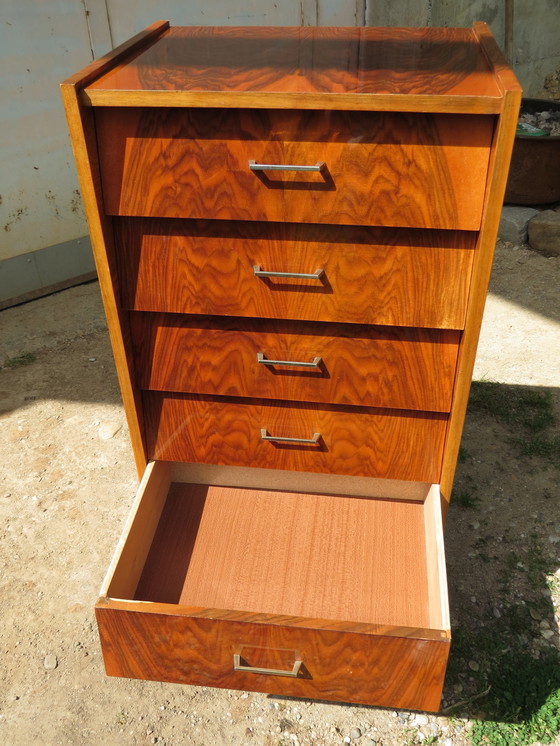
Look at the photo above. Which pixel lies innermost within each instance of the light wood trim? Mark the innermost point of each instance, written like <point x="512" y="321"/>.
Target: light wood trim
<point x="131" y="552"/>
<point x="134" y="544"/>
<point x="277" y="479"/>
<point x="259" y="100"/>
<point x="498" y="170"/>
<point x="502" y="72"/>
<point x="249" y="617"/>
<point x="82" y="135"/>
<point x="435" y="559"/>
<point x="118" y="55"/>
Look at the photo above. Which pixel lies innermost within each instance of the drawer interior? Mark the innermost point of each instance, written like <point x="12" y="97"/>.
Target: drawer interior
<point x="371" y="560"/>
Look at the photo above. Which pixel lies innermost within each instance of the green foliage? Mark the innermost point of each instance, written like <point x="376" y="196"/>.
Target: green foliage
<point x="523" y="705"/>
<point x="465" y="499"/>
<point x="16" y="362"/>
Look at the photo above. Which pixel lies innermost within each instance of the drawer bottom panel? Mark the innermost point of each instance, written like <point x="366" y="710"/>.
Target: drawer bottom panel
<point x="254" y="589"/>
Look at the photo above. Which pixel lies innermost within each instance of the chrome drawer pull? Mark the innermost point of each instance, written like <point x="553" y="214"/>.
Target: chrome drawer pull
<point x="265" y="361"/>
<point x="254" y="166"/>
<point x="258" y="272"/>
<point x="238" y="666"/>
<point x="278" y="439"/>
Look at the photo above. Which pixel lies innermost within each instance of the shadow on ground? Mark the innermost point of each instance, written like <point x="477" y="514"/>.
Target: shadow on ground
<point x="502" y="546"/>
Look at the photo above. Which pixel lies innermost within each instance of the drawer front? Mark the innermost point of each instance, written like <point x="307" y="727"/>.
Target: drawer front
<point x="380" y="168"/>
<point x="375" y="669"/>
<point x="370" y="276"/>
<point x="391" y="444"/>
<point x="331" y="363"/>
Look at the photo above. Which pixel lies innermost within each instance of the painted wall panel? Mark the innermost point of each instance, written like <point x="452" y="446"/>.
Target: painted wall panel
<point x="40" y="43"/>
<point x="127" y="18"/>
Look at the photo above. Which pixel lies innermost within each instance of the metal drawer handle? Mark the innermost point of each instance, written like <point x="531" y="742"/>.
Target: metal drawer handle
<point x="278" y="439"/>
<point x="258" y="272"/>
<point x="254" y="166"/>
<point x="265" y="361"/>
<point x="238" y="666"/>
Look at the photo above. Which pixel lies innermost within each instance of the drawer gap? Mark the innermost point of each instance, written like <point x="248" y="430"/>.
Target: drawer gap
<point x="303" y="555"/>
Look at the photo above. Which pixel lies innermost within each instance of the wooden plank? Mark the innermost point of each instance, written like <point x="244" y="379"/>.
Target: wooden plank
<point x="132" y="549"/>
<point x="305" y="101"/>
<point x="195" y="164"/>
<point x="370" y="275"/>
<point x="354" y="441"/>
<point x="499" y="66"/>
<point x="359" y="365"/>
<point x="118" y="56"/>
<point x="276" y="479"/>
<point x="332" y="625"/>
<point x="435" y="559"/>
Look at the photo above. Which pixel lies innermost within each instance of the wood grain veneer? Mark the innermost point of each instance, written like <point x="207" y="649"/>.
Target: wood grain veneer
<point x="354" y="441"/>
<point x="392" y="169"/>
<point x="182" y="645"/>
<point x="437" y="69"/>
<point x="291" y="553"/>
<point x="360" y="365"/>
<point x="371" y="275"/>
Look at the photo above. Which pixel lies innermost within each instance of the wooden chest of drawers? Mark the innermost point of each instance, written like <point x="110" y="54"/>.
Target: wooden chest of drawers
<point x="293" y="231"/>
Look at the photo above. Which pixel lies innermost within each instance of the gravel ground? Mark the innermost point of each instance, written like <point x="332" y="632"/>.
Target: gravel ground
<point x="67" y="481"/>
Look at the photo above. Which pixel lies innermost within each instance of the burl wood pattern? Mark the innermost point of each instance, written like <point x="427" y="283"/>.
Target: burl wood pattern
<point x="410" y="62"/>
<point x="392" y="444"/>
<point x="360" y="365"/>
<point x="371" y="275"/>
<point x="164" y="643"/>
<point x="276" y="552"/>
<point x="392" y="169"/>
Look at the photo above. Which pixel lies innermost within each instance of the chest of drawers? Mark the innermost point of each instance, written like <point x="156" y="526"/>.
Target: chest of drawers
<point x="293" y="231"/>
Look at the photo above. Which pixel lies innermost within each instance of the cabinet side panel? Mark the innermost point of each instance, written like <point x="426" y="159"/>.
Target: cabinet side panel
<point x="495" y="189"/>
<point x="83" y="136"/>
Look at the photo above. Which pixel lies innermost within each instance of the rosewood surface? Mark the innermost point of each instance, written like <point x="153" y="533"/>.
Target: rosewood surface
<point x="308" y="67"/>
<point x="354" y="441"/>
<point x="359" y="365"/>
<point x="351" y="667"/>
<point x="391" y="169"/>
<point x="370" y="275"/>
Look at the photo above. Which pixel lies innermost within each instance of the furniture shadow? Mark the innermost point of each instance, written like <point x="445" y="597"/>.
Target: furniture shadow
<point x="502" y="545"/>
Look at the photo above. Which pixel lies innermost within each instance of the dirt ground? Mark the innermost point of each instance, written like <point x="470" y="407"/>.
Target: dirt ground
<point x="67" y="480"/>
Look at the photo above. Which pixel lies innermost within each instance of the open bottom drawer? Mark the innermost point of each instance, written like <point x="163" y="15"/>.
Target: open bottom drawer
<point x="311" y="595"/>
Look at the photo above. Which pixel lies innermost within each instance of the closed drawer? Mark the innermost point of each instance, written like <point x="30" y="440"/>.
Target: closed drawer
<point x="369" y="276"/>
<point x="386" y="443"/>
<point x="299" y="361"/>
<point x="208" y="580"/>
<point x="380" y="168"/>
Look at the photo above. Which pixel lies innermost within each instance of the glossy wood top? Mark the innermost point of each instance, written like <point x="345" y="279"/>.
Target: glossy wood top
<point x="299" y="66"/>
